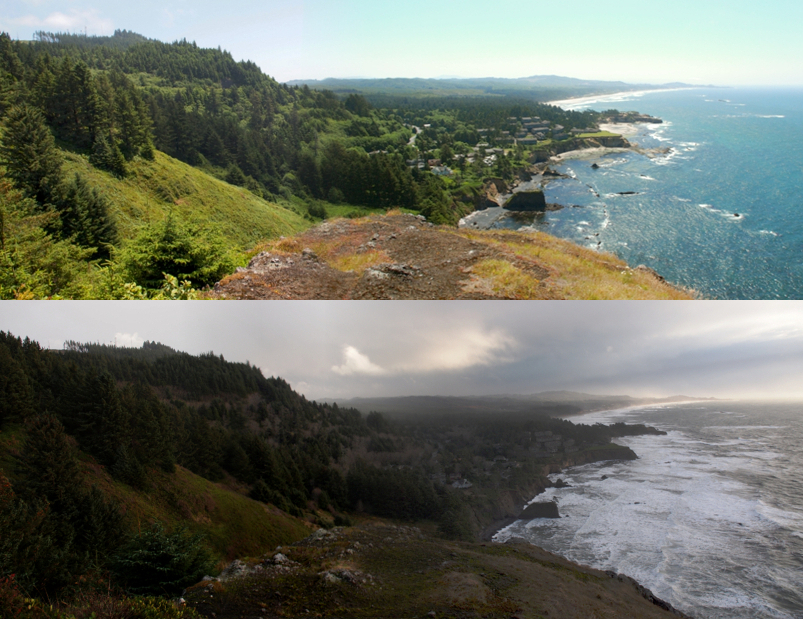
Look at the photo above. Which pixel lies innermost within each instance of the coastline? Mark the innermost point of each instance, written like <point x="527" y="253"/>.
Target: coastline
<point x="614" y="96"/>
<point x="496" y="526"/>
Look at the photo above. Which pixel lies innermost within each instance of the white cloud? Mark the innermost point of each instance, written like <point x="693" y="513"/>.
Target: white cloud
<point x="76" y="21"/>
<point x="460" y="349"/>
<point x="354" y="362"/>
<point x="128" y="340"/>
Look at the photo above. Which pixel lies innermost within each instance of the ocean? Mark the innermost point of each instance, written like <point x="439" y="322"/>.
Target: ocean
<point x="721" y="212"/>
<point x="710" y="516"/>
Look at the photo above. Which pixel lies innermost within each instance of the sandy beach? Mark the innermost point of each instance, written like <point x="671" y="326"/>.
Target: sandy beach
<point x="569" y="104"/>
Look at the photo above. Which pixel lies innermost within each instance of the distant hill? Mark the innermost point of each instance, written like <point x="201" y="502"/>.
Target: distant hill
<point x="542" y="404"/>
<point x="536" y="87"/>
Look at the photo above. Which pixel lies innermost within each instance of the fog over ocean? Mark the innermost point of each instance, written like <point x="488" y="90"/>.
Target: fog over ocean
<point x="719" y="212"/>
<point x="710" y="517"/>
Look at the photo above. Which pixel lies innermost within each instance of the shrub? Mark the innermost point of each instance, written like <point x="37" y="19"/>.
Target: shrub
<point x="182" y="251"/>
<point x="154" y="562"/>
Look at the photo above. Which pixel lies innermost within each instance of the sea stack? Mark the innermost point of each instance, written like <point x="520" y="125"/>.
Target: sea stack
<point x="526" y="201"/>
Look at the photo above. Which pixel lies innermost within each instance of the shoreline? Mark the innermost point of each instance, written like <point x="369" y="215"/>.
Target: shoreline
<point x="488" y="533"/>
<point x="571" y="103"/>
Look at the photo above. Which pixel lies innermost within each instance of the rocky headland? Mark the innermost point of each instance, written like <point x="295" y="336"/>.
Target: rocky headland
<point x="379" y="569"/>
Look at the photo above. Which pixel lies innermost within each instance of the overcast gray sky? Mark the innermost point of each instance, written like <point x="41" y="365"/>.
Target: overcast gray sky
<point x="344" y="349"/>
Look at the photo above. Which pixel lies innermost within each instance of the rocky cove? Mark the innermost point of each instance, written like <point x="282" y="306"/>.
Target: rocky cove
<point x="523" y="199"/>
<point x="511" y="504"/>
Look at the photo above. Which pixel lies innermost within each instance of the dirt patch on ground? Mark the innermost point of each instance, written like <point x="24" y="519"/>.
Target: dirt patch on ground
<point x="401" y="256"/>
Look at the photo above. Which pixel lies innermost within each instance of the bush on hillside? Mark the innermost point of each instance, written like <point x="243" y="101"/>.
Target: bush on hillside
<point x="172" y="248"/>
<point x="154" y="562"/>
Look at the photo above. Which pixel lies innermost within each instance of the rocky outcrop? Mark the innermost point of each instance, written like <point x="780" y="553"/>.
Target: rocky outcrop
<point x="546" y="509"/>
<point x="527" y="201"/>
<point x="489" y="196"/>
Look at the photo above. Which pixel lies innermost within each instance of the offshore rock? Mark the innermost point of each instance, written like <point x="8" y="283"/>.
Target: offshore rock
<point x="548" y="509"/>
<point x="527" y="201"/>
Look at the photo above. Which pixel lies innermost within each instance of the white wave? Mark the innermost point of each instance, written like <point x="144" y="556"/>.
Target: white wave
<point x="769" y="232"/>
<point x="770" y="116"/>
<point x="780" y="517"/>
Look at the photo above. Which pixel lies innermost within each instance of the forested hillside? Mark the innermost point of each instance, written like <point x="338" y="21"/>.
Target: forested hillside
<point x="105" y="451"/>
<point x="92" y="208"/>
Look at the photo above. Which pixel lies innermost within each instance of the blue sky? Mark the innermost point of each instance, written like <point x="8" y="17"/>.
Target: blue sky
<point x="724" y="42"/>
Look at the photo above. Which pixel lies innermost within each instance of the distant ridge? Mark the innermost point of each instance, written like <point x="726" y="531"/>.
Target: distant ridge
<point x="545" y="403"/>
<point x="534" y="87"/>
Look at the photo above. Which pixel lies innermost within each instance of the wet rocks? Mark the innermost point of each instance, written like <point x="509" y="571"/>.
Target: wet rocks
<point x="546" y="509"/>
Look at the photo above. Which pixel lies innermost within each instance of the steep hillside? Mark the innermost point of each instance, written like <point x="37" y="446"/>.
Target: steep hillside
<point x="153" y="189"/>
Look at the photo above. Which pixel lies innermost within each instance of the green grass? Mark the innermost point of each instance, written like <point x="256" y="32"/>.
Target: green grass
<point x="234" y="525"/>
<point x="599" y="134"/>
<point x="165" y="185"/>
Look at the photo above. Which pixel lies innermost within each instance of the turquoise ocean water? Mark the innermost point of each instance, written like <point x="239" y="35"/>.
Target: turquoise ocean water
<point x="720" y="212"/>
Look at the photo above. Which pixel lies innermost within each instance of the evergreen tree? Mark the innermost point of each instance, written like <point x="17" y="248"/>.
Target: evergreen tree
<point x="107" y="156"/>
<point x="22" y="542"/>
<point x="85" y="217"/>
<point x="47" y="471"/>
<point x="159" y="563"/>
<point x="102" y="422"/>
<point x="172" y="248"/>
<point x="28" y="152"/>
<point x="16" y="394"/>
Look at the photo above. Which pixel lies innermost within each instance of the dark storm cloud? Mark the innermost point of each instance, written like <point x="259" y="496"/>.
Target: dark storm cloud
<point x="344" y="349"/>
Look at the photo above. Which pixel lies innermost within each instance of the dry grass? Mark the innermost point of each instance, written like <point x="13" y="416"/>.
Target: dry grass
<point x="577" y="272"/>
<point x="358" y="262"/>
<point x="507" y="280"/>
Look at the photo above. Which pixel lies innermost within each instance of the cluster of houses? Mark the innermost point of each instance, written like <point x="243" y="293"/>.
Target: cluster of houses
<point x="525" y="130"/>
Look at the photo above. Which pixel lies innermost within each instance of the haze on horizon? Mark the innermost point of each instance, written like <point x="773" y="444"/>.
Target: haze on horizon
<point x="730" y="44"/>
<point x="340" y="350"/>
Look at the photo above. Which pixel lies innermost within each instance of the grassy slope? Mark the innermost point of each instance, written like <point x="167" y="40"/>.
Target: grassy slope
<point x="234" y="525"/>
<point x="575" y="272"/>
<point x="155" y="188"/>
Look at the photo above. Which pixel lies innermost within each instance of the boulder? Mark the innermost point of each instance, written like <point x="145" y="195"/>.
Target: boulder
<point x="488" y="197"/>
<point x="547" y="509"/>
<point x="527" y="201"/>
